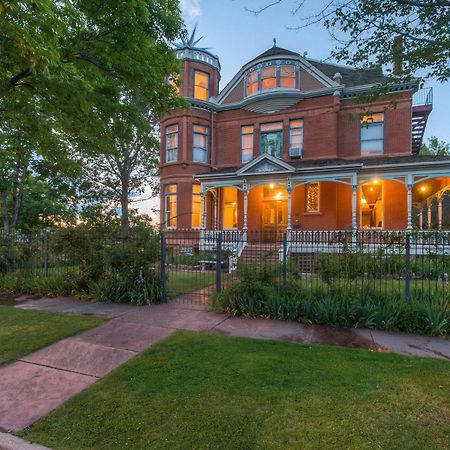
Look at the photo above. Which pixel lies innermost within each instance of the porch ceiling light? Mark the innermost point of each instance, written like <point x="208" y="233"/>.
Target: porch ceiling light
<point x="423" y="188"/>
<point x="375" y="181"/>
<point x="271" y="185"/>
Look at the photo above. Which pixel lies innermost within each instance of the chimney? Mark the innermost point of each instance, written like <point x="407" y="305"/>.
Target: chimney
<point x="397" y="55"/>
<point x="338" y="78"/>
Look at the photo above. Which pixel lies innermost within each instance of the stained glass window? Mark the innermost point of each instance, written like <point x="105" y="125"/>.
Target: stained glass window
<point x="312" y="197"/>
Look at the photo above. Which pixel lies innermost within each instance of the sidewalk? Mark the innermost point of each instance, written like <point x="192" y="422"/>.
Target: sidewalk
<point x="39" y="382"/>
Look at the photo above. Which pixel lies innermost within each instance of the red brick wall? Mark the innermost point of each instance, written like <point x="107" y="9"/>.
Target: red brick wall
<point x="236" y="94"/>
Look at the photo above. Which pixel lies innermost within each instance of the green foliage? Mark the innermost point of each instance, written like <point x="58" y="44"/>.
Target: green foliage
<point x="84" y="260"/>
<point x="351" y="266"/>
<point x="435" y="147"/>
<point x="342" y="306"/>
<point x="365" y="32"/>
<point x="80" y="80"/>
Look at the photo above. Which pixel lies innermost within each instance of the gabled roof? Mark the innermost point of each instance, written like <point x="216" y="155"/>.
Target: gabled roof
<point x="350" y="75"/>
<point x="265" y="163"/>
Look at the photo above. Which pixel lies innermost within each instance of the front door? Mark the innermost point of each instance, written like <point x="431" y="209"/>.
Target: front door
<point x="274" y="219"/>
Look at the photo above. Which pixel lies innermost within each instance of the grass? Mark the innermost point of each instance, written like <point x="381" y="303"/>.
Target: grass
<point x="181" y="282"/>
<point x="203" y="391"/>
<point x="24" y="331"/>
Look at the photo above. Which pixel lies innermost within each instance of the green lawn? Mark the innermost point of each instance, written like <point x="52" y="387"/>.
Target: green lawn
<point x="24" y="331"/>
<point x="181" y="282"/>
<point x="204" y="391"/>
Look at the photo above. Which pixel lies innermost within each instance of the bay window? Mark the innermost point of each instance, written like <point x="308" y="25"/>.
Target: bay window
<point x="170" y="206"/>
<point x="252" y="82"/>
<point x="269" y="78"/>
<point x="200" y="144"/>
<point x="201" y="85"/>
<point x="196" y="206"/>
<point x="171" y="143"/>
<point x="287" y="77"/>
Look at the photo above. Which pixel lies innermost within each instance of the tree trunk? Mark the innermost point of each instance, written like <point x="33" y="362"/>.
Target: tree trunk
<point x="5" y="216"/>
<point x="124" y="220"/>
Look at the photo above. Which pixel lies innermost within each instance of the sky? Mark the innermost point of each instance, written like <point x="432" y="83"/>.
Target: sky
<point x="236" y="36"/>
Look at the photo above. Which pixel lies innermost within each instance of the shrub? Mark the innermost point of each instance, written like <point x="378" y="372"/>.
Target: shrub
<point x="337" y="305"/>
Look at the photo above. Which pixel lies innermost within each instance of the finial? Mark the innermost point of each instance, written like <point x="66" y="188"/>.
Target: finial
<point x="274" y="42"/>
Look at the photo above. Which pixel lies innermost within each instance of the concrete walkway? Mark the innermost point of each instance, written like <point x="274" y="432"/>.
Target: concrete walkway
<point x="37" y="383"/>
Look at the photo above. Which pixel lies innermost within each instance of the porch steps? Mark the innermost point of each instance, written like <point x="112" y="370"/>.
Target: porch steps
<point x="260" y="252"/>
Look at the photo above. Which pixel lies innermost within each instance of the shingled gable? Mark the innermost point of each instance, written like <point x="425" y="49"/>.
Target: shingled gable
<point x="324" y="79"/>
<point x="265" y="163"/>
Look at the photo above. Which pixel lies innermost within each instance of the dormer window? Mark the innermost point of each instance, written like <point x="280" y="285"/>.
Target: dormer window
<point x="252" y="82"/>
<point x="201" y="84"/>
<point x="287" y="77"/>
<point x="283" y="74"/>
<point x="269" y="78"/>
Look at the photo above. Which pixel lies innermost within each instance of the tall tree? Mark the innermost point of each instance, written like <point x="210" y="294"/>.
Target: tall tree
<point x="118" y="176"/>
<point x="365" y="32"/>
<point x="65" y="66"/>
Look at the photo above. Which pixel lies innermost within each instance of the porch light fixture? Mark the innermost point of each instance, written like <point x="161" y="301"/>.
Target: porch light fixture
<point x="423" y="188"/>
<point x="271" y="185"/>
<point x="375" y="181"/>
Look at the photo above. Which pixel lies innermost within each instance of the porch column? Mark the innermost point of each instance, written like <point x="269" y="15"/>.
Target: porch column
<point x="245" y="190"/>
<point x="354" y="201"/>
<point x="439" y="211"/>
<point x="429" y="213"/>
<point x="203" y="208"/>
<point x="289" y="205"/>
<point x="216" y="209"/>
<point x="409" y="186"/>
<point x="421" y="216"/>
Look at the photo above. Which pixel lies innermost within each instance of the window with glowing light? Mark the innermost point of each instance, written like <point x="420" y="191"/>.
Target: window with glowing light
<point x="246" y="144"/>
<point x="201" y="85"/>
<point x="196" y="206"/>
<point x="296" y="138"/>
<point x="200" y="143"/>
<point x="313" y="198"/>
<point x="170" y="206"/>
<point x="171" y="143"/>
<point x="269" y="78"/>
<point x="271" y="139"/>
<point x="287" y="77"/>
<point x="230" y="207"/>
<point x="252" y="82"/>
<point x="372" y="134"/>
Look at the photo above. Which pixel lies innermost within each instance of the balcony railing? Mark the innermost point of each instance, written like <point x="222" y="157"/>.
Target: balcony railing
<point x="423" y="97"/>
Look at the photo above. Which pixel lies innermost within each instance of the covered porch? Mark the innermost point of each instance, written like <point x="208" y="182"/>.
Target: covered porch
<point x="271" y="197"/>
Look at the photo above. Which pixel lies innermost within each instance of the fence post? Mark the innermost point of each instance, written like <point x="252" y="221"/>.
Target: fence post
<point x="163" y="267"/>
<point x="219" y="263"/>
<point x="284" y="264"/>
<point x="408" y="268"/>
<point x="46" y="236"/>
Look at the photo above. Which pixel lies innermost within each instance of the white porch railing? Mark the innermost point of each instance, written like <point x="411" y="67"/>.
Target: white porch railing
<point x="233" y="241"/>
<point x="369" y="241"/>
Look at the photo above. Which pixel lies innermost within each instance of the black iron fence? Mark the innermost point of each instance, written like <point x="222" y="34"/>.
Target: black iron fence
<point x="192" y="265"/>
<point x="405" y="264"/>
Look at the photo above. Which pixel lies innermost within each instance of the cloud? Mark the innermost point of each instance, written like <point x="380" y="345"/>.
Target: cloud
<point x="191" y="9"/>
